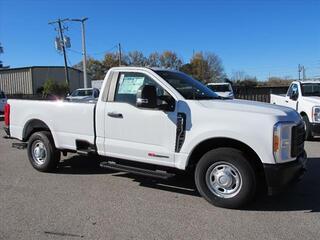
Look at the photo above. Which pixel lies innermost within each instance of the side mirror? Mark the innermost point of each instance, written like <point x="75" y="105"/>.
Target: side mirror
<point x="147" y="97"/>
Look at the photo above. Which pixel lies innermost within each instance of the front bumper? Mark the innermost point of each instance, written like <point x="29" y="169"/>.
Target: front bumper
<point x="315" y="129"/>
<point x="279" y="176"/>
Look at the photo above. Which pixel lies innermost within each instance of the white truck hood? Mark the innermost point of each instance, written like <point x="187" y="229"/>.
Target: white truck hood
<point x="251" y="107"/>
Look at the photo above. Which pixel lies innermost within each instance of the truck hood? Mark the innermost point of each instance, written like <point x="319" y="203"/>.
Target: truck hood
<point x="251" y="107"/>
<point x="314" y="100"/>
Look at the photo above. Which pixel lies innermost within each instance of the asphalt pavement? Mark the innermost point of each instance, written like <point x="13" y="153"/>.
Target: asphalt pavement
<point x="83" y="201"/>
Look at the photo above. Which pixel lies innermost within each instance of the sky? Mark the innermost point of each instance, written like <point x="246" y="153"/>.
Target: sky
<point x="262" y="38"/>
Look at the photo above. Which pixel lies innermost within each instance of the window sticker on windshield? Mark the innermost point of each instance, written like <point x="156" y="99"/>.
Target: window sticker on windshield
<point x="130" y="85"/>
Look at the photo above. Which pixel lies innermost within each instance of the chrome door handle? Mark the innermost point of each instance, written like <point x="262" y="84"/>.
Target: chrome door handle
<point x="286" y="101"/>
<point x="115" y="115"/>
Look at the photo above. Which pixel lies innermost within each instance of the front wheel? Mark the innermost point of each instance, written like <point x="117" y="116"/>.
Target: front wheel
<point x="307" y="127"/>
<point x="42" y="152"/>
<point x="225" y="178"/>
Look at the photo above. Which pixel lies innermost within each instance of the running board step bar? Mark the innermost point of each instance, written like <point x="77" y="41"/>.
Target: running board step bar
<point x="140" y="171"/>
<point x="20" y="145"/>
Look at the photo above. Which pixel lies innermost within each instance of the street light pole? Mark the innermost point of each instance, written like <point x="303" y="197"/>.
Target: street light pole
<point x="84" y="51"/>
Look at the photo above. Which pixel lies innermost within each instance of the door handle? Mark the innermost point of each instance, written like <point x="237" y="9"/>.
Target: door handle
<point x="115" y="115"/>
<point x="287" y="101"/>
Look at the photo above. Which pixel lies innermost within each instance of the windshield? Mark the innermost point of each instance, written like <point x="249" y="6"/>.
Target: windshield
<point x="82" y="93"/>
<point x="219" y="88"/>
<point x="310" y="89"/>
<point x="188" y="87"/>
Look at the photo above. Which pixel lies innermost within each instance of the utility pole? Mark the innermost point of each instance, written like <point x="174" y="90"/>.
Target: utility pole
<point x="299" y="71"/>
<point x="119" y="49"/>
<point x="60" y="30"/>
<point x="303" y="73"/>
<point x="84" y="51"/>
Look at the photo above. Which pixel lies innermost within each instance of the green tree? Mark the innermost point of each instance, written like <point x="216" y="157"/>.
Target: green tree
<point x="206" y="67"/>
<point x="112" y="60"/>
<point x="95" y="68"/>
<point x="51" y="87"/>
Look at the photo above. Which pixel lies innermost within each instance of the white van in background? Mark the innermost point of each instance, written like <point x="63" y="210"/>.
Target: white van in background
<point x="222" y="89"/>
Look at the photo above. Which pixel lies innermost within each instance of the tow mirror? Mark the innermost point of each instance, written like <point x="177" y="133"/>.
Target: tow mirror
<point x="147" y="97"/>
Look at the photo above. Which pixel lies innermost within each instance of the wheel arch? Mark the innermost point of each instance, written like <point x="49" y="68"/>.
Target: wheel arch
<point x="214" y="143"/>
<point x="32" y="126"/>
<point x="303" y="113"/>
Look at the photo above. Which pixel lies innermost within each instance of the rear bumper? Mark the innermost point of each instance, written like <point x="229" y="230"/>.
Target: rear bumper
<point x="315" y="129"/>
<point x="279" y="176"/>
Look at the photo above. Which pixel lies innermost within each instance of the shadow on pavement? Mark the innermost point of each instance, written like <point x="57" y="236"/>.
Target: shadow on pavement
<point x="82" y="165"/>
<point x="304" y="196"/>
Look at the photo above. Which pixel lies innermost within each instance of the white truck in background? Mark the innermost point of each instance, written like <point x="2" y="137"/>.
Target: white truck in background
<point x="165" y="120"/>
<point x="304" y="97"/>
<point x="222" y="89"/>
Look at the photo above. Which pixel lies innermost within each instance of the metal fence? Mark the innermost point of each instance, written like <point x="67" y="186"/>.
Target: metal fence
<point x="261" y="94"/>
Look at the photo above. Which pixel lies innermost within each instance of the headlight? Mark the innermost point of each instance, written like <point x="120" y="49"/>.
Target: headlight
<point x="316" y="114"/>
<point x="282" y="141"/>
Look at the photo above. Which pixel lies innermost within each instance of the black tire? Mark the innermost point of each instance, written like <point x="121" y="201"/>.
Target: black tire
<point x="235" y="165"/>
<point x="309" y="136"/>
<point x="41" y="144"/>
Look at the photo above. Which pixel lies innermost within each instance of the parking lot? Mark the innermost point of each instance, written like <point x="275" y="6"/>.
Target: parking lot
<point x="81" y="200"/>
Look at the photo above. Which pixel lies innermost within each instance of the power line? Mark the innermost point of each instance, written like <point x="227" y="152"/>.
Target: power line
<point x="103" y="52"/>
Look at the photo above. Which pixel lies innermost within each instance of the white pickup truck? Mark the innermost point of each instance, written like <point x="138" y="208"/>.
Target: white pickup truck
<point x="166" y="120"/>
<point x="304" y="97"/>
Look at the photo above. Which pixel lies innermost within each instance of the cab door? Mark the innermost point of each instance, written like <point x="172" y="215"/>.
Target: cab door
<point x="292" y="96"/>
<point x="139" y="134"/>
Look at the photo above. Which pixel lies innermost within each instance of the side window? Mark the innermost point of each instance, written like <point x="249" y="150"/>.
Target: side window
<point x="289" y="93"/>
<point x="295" y="89"/>
<point x="129" y="83"/>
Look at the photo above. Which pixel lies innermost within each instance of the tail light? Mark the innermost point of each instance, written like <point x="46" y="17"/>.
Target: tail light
<point x="7" y="114"/>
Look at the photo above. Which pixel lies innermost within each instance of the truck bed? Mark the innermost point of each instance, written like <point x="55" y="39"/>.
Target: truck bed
<point x="278" y="99"/>
<point x="68" y="121"/>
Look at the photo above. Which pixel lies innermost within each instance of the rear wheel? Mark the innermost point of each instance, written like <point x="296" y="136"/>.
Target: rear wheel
<point x="42" y="153"/>
<point x="307" y="127"/>
<point x="225" y="178"/>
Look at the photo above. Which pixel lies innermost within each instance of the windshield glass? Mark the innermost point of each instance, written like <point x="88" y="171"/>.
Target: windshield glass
<point x="188" y="87"/>
<point x="310" y="89"/>
<point x="81" y="93"/>
<point x="219" y="88"/>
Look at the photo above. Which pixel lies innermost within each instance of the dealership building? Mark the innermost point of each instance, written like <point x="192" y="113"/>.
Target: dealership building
<point x="29" y="80"/>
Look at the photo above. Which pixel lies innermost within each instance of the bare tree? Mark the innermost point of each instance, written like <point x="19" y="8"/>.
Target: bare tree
<point x="170" y="60"/>
<point x="136" y="58"/>
<point x="154" y="60"/>
<point x="206" y="67"/>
